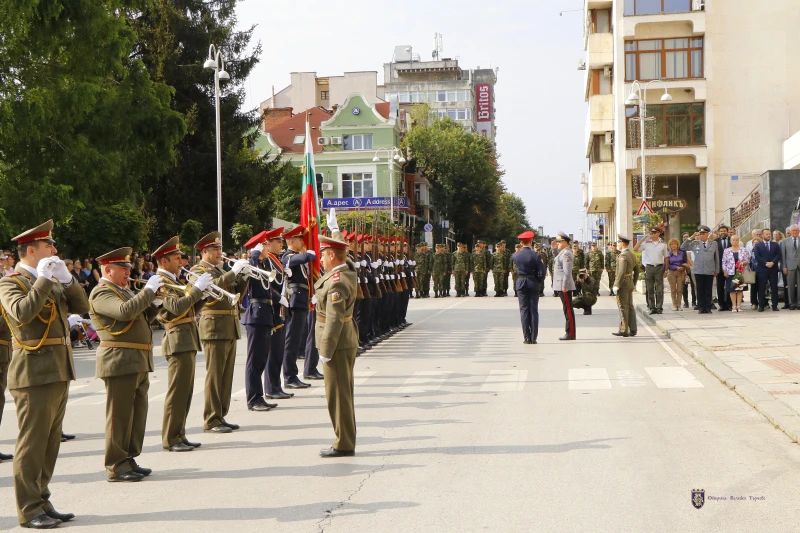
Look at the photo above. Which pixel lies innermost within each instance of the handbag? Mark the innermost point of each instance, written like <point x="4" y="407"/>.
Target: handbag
<point x="749" y="277"/>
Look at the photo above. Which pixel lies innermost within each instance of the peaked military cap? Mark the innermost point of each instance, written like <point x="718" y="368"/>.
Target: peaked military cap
<point x="120" y="257"/>
<point x="169" y="247"/>
<point x="297" y="231"/>
<point x="526" y="236"/>
<point x="563" y="237"/>
<point x="328" y="242"/>
<point x="702" y="228"/>
<point x="212" y="239"/>
<point x="623" y="238"/>
<point x="274" y="234"/>
<point x="42" y="232"/>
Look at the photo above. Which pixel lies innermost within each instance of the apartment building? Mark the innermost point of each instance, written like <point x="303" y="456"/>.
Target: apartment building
<point x="308" y="90"/>
<point x="720" y="88"/>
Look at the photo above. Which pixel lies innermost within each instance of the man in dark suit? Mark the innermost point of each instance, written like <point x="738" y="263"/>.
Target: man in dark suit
<point x="530" y="276"/>
<point x="768" y="257"/>
<point x="723" y="298"/>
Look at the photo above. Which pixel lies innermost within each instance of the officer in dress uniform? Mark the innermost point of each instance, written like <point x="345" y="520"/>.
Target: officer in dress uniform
<point x="259" y="321"/>
<point x="36" y="300"/>
<point x="337" y="339"/>
<point x="296" y="266"/>
<point x="219" y="331"/>
<point x="626" y="263"/>
<point x="530" y="276"/>
<point x="180" y="344"/>
<point x="124" y="360"/>
<point x="564" y="284"/>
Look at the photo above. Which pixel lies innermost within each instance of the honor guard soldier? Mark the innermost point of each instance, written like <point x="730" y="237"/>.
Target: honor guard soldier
<point x="611" y="266"/>
<point x="531" y="272"/>
<point x="180" y="344"/>
<point x="624" y="284"/>
<point x="585" y="294"/>
<point x="337" y="340"/>
<point x="564" y="284"/>
<point x="259" y="321"/>
<point x="219" y="331"/>
<point x="36" y="300"/>
<point x="296" y="265"/>
<point x="5" y="359"/>
<point x="124" y="359"/>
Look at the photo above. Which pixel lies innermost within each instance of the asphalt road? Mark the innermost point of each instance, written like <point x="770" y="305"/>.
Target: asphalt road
<point x="461" y="427"/>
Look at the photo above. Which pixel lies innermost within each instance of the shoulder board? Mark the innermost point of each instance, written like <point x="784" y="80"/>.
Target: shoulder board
<point x="335" y="276"/>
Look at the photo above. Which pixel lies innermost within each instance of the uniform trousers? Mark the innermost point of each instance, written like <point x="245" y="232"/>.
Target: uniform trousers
<point x="258" y="344"/>
<point x="438" y="283"/>
<point x="126" y="418"/>
<point x="596" y="276"/>
<point x="277" y="345"/>
<point x="654" y="282"/>
<point x="705" y="284"/>
<point x="569" y="312"/>
<point x="528" y="296"/>
<point x="3" y="385"/>
<point x="40" y="412"/>
<point x="220" y="361"/>
<point x="627" y="313"/>
<point x="296" y="327"/>
<point x="180" y="388"/>
<point x="426" y="283"/>
<point x="312" y="354"/>
<point x="612" y="277"/>
<point x="339" y="393"/>
<point x="497" y="278"/>
<point x="364" y="320"/>
<point x="406" y="298"/>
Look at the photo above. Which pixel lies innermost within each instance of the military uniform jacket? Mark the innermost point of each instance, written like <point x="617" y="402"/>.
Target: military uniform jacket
<point x="120" y="316"/>
<point x="626" y="262"/>
<point x="259" y="310"/>
<point x="498" y="262"/>
<point x="219" y="320"/>
<point x="425" y="262"/>
<point x="177" y="316"/>
<point x="706" y="258"/>
<point x="336" y="296"/>
<point x="440" y="263"/>
<point x="462" y="262"/>
<point x="587" y="288"/>
<point x="529" y="265"/>
<point x="479" y="262"/>
<point x="298" y="280"/>
<point x="29" y="302"/>
<point x="562" y="271"/>
<point x="595" y="261"/>
<point x="611" y="260"/>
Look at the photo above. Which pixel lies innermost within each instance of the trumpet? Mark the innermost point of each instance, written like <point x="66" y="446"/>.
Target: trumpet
<point x="213" y="291"/>
<point x="140" y="284"/>
<point x="264" y="276"/>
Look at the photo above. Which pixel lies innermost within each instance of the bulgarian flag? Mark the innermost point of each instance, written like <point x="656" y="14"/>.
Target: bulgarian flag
<point x="309" y="215"/>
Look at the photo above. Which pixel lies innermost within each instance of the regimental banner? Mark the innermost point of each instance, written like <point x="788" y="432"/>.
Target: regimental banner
<point x="376" y="202"/>
<point x="483" y="108"/>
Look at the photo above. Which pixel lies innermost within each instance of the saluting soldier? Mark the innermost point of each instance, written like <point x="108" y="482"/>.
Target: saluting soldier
<point x="624" y="284"/>
<point x="219" y="331"/>
<point x="611" y="266"/>
<point x="337" y="340"/>
<point x="36" y="301"/>
<point x="5" y="359"/>
<point x="180" y="344"/>
<point x="124" y="359"/>
<point x="564" y="284"/>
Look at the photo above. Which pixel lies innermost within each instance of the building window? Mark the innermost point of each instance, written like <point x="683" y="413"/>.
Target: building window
<point x="324" y="95"/>
<point x="417" y="193"/>
<point x="672" y="125"/>
<point x="299" y="139"/>
<point x="357" y="142"/>
<point x="602" y="152"/>
<point x="358" y="185"/>
<point x="453" y="114"/>
<point x="655" y="7"/>
<point x="441" y="96"/>
<point x="664" y="59"/>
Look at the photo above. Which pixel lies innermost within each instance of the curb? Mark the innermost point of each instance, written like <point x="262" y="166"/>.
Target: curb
<point x="777" y="413"/>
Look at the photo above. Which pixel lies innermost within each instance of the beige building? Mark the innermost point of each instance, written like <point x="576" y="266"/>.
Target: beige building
<point x="731" y="73"/>
<point x="307" y="90"/>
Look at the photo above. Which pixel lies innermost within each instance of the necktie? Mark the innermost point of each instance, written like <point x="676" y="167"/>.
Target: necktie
<point x="795" y="243"/>
<point x="768" y="246"/>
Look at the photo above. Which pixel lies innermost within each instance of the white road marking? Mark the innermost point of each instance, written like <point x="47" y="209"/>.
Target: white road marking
<point x="91" y="399"/>
<point x="239" y="393"/>
<point x="360" y="377"/>
<point x="588" y="379"/>
<point x="78" y="387"/>
<point x="672" y="377"/>
<point x="505" y="381"/>
<point x="424" y="381"/>
<point x="631" y="378"/>
<point x="664" y="345"/>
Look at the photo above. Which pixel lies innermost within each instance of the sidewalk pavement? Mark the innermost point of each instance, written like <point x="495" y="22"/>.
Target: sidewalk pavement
<point x="755" y="354"/>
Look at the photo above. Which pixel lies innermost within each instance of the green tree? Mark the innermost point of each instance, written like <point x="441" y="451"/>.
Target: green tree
<point x="100" y="229"/>
<point x="511" y="219"/>
<point x="81" y="121"/>
<point x="174" y="38"/>
<point x="287" y="193"/>
<point x="190" y="233"/>
<point x="241" y="233"/>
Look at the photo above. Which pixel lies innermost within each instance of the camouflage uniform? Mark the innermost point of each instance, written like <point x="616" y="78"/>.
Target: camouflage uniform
<point x="587" y="293"/>
<point x="545" y="260"/>
<point x="440" y="264"/>
<point x="462" y="266"/>
<point x="479" y="270"/>
<point x="446" y="280"/>
<point x="580" y="260"/>
<point x="424" y="267"/>
<point x="551" y="258"/>
<point x="498" y="266"/>
<point x="595" y="267"/>
<point x="611" y="266"/>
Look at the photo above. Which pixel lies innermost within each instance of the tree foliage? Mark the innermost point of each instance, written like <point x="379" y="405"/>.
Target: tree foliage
<point x="101" y="228"/>
<point x="511" y="219"/>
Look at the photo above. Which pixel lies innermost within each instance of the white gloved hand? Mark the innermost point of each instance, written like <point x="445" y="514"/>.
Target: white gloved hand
<point x="363" y="263"/>
<point x="154" y="283"/>
<point x="366" y="281"/>
<point x="402" y="274"/>
<point x="380" y="262"/>
<point x="158" y="302"/>
<point x="284" y="302"/>
<point x="332" y="224"/>
<point x="374" y="265"/>
<point x="61" y="272"/>
<point x="380" y="275"/>
<point x="239" y="265"/>
<point x="45" y="267"/>
<point x="288" y="271"/>
<point x="314" y="299"/>
<point x="203" y="281"/>
<point x="413" y="263"/>
<point x="259" y="247"/>
<point x="312" y="253"/>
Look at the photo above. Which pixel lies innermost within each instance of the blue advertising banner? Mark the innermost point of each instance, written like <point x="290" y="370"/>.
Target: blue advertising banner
<point x="377" y="202"/>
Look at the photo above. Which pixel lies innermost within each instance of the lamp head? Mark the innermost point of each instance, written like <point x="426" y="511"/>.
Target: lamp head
<point x="210" y="63"/>
<point x="223" y="75"/>
<point x="666" y="97"/>
<point x="633" y="99"/>
<point x="402" y="160"/>
<point x="375" y="159"/>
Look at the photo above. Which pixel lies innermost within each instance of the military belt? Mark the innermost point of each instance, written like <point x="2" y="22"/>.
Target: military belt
<point x="206" y="312"/>
<point x="171" y="325"/>
<point x="55" y="341"/>
<point x="128" y="345"/>
<point x="5" y="343"/>
<point x="321" y="318"/>
<point x="261" y="300"/>
<point x="301" y="285"/>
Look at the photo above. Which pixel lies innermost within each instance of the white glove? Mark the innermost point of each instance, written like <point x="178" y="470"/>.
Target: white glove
<point x="366" y="281"/>
<point x="380" y="275"/>
<point x="45" y="267"/>
<point x="332" y="224"/>
<point x="61" y="272"/>
<point x="239" y="265"/>
<point x="203" y="281"/>
<point x="154" y="283"/>
<point x="364" y="263"/>
<point x="374" y="265"/>
<point x="402" y="274"/>
<point x="312" y="253"/>
<point x="288" y="271"/>
<point x="259" y="247"/>
<point x="413" y="263"/>
<point x="314" y="299"/>
<point x="284" y="302"/>
<point x="158" y="302"/>
<point x="380" y="262"/>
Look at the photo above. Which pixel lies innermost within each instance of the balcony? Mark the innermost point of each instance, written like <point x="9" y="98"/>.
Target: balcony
<point x="600" y="118"/>
<point x="598" y="4"/>
<point x="600" y="50"/>
<point x="676" y="88"/>
<point x="662" y="11"/>
<point x="602" y="188"/>
<point x="669" y="159"/>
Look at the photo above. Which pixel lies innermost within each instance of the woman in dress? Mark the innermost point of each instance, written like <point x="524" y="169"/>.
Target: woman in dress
<point x="734" y="259"/>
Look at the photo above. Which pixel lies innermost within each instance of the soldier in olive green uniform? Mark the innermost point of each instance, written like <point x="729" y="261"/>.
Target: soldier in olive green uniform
<point x="446" y="282"/>
<point x="624" y="284"/>
<point x="337" y="341"/>
<point x="595" y="266"/>
<point x="479" y="270"/>
<point x="180" y="344"/>
<point x="219" y="331"/>
<point x="424" y="269"/>
<point x="539" y="249"/>
<point x="36" y="300"/>
<point x="585" y="291"/>
<point x="124" y="359"/>
<point x="488" y="255"/>
<point x="611" y="266"/>
<point x="498" y="266"/>
<point x="580" y="260"/>
<point x="462" y="265"/>
<point x="440" y="264"/>
<point x="506" y="266"/>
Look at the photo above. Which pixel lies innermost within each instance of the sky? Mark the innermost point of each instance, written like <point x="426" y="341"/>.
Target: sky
<point x="539" y="96"/>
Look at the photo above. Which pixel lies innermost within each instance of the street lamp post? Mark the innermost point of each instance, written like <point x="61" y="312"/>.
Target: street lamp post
<point x="633" y="99"/>
<point x="395" y="154"/>
<point x="217" y="64"/>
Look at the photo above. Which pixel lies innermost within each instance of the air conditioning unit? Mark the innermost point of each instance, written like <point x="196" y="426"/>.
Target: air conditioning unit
<point x="607" y="72"/>
<point x="327" y="187"/>
<point x="609" y="138"/>
<point x="335" y="140"/>
<point x="699" y="5"/>
<point x="322" y="141"/>
<point x="581" y="64"/>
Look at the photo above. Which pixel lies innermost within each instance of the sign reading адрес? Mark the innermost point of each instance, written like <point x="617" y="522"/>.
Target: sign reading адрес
<point x="375" y="202"/>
